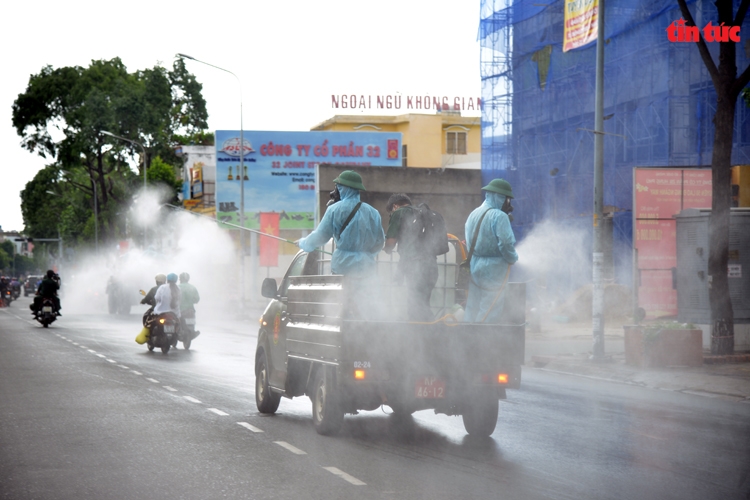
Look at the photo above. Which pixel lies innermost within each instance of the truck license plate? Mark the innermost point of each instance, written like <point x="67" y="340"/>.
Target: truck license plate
<point x="168" y="328"/>
<point x="429" y="388"/>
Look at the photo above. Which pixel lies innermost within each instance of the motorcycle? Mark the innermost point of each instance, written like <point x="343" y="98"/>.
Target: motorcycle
<point x="164" y="329"/>
<point x="187" y="328"/>
<point x="46" y="314"/>
<point x="7" y="297"/>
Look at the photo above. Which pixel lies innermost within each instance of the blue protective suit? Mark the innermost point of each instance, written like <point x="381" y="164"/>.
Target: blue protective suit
<point x="362" y="240"/>
<point x="494" y="253"/>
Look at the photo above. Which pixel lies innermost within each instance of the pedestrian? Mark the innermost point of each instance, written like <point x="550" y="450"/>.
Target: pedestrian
<point x="491" y="244"/>
<point x="357" y="230"/>
<point x="416" y="266"/>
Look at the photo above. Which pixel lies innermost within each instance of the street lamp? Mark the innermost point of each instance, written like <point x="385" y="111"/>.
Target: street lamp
<point x="242" y="174"/>
<point x="145" y="164"/>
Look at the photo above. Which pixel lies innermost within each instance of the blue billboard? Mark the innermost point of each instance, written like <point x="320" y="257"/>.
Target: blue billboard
<point x="279" y="170"/>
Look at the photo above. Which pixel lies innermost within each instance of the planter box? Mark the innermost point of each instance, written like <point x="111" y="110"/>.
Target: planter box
<point x="667" y="347"/>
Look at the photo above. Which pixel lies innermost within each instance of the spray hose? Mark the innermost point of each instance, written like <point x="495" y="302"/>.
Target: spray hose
<point x="240" y="227"/>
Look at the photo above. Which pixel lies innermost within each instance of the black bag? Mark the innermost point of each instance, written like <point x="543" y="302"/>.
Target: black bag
<point x="434" y="237"/>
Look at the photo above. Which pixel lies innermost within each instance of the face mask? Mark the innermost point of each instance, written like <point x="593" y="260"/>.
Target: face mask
<point x="508" y="208"/>
<point x="334" y="195"/>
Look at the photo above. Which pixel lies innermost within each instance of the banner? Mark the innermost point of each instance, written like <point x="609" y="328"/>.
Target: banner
<point x="658" y="194"/>
<point x="269" y="247"/>
<point x="581" y="23"/>
<point x="279" y="170"/>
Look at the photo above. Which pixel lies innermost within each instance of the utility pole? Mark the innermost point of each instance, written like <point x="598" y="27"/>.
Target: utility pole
<point x="597" y="303"/>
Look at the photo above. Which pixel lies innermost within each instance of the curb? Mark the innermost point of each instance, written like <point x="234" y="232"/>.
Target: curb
<point x="727" y="358"/>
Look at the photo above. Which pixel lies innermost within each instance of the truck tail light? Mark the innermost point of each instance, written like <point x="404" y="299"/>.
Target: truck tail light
<point x="359" y="374"/>
<point x="502" y="378"/>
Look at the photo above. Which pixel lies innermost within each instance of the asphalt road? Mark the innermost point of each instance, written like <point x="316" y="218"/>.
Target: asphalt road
<point x="86" y="413"/>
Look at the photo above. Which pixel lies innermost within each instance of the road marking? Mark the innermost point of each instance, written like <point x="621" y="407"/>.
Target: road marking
<point x="92" y="351"/>
<point x="76" y="343"/>
<point x="218" y="412"/>
<point x="136" y="373"/>
<point x="101" y="355"/>
<point x="346" y="477"/>
<point x="249" y="427"/>
<point x="152" y="380"/>
<point x="82" y="346"/>
<point x="111" y="360"/>
<point x="170" y="388"/>
<point x="291" y="448"/>
<point x="123" y="367"/>
<point x="191" y="399"/>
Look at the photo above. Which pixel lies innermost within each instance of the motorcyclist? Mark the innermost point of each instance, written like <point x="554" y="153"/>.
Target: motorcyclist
<point x="188" y="296"/>
<point x="47" y="290"/>
<point x="168" y="297"/>
<point x="150" y="296"/>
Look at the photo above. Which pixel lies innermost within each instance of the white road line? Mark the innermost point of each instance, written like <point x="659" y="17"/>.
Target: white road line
<point x="83" y="347"/>
<point x="92" y="351"/>
<point x="111" y="360"/>
<point x="76" y="343"/>
<point x="346" y="477"/>
<point x="136" y="373"/>
<point x="249" y="427"/>
<point x="153" y="380"/>
<point x="291" y="448"/>
<point x="123" y="367"/>
<point x="170" y="388"/>
<point x="218" y="412"/>
<point x="101" y="355"/>
<point x="191" y="399"/>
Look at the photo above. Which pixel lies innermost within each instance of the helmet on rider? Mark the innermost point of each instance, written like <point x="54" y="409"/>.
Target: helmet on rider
<point x="184" y="277"/>
<point x="171" y="278"/>
<point x="160" y="279"/>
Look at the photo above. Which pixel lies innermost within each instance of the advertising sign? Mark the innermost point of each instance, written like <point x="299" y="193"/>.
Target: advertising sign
<point x="581" y="23"/>
<point x="279" y="170"/>
<point x="660" y="193"/>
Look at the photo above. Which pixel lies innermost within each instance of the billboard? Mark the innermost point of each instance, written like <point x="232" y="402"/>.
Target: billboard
<point x="279" y="170"/>
<point x="658" y="194"/>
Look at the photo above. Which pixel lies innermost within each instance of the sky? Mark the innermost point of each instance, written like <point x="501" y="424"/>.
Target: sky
<point x="290" y="56"/>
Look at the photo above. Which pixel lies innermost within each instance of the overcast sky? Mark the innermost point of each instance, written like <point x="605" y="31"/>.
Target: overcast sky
<point x="291" y="56"/>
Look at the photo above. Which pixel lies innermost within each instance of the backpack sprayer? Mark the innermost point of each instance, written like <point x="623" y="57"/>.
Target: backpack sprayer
<point x="238" y="227"/>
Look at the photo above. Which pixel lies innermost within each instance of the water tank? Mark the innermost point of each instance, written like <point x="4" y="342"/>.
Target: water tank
<point x="691" y="274"/>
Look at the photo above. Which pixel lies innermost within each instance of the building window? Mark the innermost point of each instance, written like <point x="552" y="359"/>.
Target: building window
<point x="456" y="143"/>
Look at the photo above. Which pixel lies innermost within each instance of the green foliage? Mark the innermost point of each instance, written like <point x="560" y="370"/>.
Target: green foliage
<point x="153" y="107"/>
<point x="200" y="138"/>
<point x="4" y="261"/>
<point x="160" y="172"/>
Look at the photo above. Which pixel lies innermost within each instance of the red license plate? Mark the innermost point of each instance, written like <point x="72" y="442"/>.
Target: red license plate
<point x="429" y="388"/>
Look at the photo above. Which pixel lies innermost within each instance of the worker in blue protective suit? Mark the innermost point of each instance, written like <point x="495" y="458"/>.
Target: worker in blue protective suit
<point x="358" y="233"/>
<point x="493" y="254"/>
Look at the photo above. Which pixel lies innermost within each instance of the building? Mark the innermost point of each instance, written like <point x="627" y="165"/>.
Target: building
<point x="198" y="178"/>
<point x="441" y="140"/>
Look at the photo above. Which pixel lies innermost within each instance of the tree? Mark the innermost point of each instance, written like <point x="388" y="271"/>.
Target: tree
<point x="151" y="107"/>
<point x="728" y="87"/>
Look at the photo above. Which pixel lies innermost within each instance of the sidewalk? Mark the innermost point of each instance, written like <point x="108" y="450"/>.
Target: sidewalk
<point x="566" y="347"/>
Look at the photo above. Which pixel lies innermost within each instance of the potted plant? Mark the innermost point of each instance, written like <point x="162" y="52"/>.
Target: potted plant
<point x="664" y="343"/>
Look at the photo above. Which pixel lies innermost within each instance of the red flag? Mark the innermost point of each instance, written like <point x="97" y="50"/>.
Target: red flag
<point x="269" y="247"/>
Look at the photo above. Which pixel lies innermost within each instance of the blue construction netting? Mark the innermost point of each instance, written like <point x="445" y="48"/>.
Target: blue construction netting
<point x="538" y="110"/>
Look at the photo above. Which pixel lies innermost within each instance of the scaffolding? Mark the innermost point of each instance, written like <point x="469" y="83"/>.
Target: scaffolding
<point x="538" y="112"/>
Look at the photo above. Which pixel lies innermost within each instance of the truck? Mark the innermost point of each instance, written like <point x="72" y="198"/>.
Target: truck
<point x="310" y="344"/>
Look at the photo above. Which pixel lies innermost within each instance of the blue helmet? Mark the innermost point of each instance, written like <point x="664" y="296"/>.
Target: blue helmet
<point x="171" y="278"/>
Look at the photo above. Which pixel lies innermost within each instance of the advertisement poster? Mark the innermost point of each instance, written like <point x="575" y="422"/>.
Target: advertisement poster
<point x="660" y="193"/>
<point x="581" y="23"/>
<point x="279" y="170"/>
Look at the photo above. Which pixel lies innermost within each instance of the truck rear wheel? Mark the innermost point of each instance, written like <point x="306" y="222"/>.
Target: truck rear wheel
<point x="327" y="413"/>
<point x="480" y="414"/>
<point x="266" y="400"/>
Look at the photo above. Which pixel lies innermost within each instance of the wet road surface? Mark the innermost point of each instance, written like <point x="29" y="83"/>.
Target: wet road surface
<point x="85" y="412"/>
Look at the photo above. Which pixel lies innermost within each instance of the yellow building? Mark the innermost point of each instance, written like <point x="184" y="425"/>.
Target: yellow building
<point x="443" y="140"/>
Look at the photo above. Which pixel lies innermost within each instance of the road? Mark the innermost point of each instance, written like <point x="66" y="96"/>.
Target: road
<point x="86" y="413"/>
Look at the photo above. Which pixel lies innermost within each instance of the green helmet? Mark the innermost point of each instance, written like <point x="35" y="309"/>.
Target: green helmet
<point x="500" y="186"/>
<point x="350" y="179"/>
